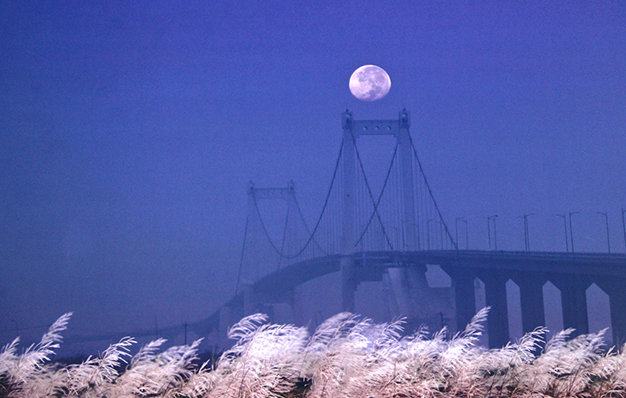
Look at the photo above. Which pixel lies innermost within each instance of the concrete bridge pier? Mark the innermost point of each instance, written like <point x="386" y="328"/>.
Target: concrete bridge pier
<point x="401" y="287"/>
<point x="464" y="296"/>
<point x="574" y="302"/>
<point x="498" y="320"/>
<point x="531" y="300"/>
<point x="265" y="300"/>
<point x="617" y="299"/>
<point x="417" y="286"/>
<point x="616" y="290"/>
<point x="279" y="296"/>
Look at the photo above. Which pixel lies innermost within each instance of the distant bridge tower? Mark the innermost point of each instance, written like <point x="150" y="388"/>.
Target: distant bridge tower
<point x="352" y="131"/>
<point x="285" y="194"/>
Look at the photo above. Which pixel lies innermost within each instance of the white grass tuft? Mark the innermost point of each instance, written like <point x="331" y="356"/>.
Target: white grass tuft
<point x="347" y="356"/>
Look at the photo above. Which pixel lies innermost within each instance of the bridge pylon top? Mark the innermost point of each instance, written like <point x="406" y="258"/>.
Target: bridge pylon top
<point x="393" y="127"/>
<point x="285" y="193"/>
<point x="404" y="119"/>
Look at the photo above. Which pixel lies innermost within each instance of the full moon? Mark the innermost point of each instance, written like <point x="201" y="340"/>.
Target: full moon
<point x="369" y="83"/>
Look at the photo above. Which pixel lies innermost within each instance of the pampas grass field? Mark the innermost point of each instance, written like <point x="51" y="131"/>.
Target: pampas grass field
<point x="347" y="356"/>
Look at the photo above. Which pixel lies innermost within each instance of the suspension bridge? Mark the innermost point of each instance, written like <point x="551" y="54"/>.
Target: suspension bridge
<point x="377" y="240"/>
<point x="389" y="234"/>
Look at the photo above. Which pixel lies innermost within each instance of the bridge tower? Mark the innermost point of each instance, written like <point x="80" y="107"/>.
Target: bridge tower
<point x="255" y="195"/>
<point x="352" y="131"/>
<point x="285" y="194"/>
<point x="404" y="284"/>
<point x="250" y="300"/>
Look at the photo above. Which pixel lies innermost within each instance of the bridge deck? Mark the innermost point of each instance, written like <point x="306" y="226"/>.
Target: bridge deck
<point x="598" y="265"/>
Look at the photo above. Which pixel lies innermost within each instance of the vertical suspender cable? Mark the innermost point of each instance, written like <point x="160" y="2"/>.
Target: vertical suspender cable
<point x="432" y="196"/>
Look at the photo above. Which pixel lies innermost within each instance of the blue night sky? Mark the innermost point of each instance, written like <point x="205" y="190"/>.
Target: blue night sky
<point x="128" y="133"/>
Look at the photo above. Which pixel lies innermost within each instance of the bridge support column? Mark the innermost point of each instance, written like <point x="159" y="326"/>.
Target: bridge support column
<point x="349" y="283"/>
<point x="464" y="297"/>
<point x="618" y="315"/>
<point x="498" y="320"/>
<point x="531" y="297"/>
<point x="399" y="280"/>
<point x="574" y="304"/>
<point x="278" y="304"/>
<point x="418" y="294"/>
<point x="615" y="288"/>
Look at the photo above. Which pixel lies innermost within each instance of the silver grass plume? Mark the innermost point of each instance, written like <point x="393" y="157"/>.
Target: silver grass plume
<point x="347" y="356"/>
<point x="18" y="370"/>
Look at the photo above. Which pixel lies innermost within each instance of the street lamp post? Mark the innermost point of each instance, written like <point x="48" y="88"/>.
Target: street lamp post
<point x="495" y="232"/>
<point x="456" y="230"/>
<point x="624" y="225"/>
<point x="606" y="223"/>
<point x="467" y="234"/>
<point x="564" y="217"/>
<point x="526" y="234"/>
<point x="571" y="231"/>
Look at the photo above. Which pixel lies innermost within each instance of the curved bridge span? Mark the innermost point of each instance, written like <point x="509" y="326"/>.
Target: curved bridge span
<point x="571" y="273"/>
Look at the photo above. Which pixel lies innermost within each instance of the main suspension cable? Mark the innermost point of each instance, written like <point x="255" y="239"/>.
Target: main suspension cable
<point x="306" y="226"/>
<point x="317" y="223"/>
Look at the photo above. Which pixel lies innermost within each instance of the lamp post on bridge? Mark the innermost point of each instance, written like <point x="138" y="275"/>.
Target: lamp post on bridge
<point x="495" y="232"/>
<point x="564" y="217"/>
<point x="456" y="230"/>
<point x="606" y="223"/>
<point x="624" y="225"/>
<point x="526" y="234"/>
<point x="571" y="231"/>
